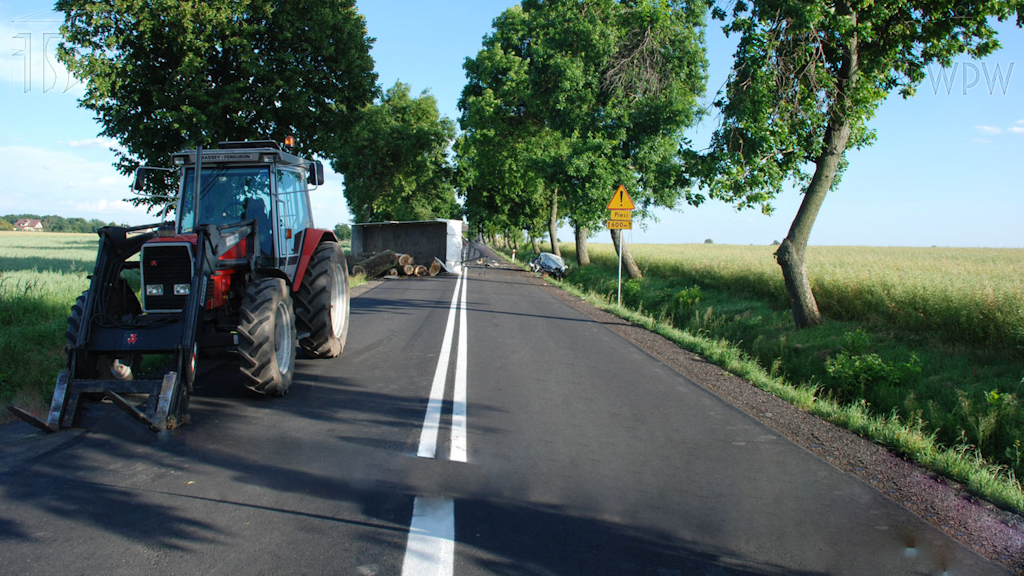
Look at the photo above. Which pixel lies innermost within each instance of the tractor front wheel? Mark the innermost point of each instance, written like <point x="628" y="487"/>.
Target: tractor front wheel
<point x="120" y="302"/>
<point x="266" y="336"/>
<point x="323" y="302"/>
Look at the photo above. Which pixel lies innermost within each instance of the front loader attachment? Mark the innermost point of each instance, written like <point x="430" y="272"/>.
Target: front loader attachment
<point x="161" y="411"/>
<point x="107" y="325"/>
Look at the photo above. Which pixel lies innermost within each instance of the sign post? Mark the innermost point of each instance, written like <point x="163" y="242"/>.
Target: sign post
<point x="621" y="218"/>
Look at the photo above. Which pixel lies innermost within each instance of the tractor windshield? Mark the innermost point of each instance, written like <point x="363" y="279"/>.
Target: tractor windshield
<point x="229" y="195"/>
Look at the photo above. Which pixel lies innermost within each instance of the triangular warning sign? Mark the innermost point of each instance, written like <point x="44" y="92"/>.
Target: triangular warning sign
<point x="621" y="200"/>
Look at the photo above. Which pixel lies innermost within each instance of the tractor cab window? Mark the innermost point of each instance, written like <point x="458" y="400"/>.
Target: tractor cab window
<point x="295" y="214"/>
<point x="229" y="195"/>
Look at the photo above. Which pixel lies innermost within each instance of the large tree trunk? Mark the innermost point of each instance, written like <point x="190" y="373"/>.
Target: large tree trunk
<point x="536" y="244"/>
<point x="582" y="256"/>
<point x="553" y="224"/>
<point x="791" y="253"/>
<point x="632" y="270"/>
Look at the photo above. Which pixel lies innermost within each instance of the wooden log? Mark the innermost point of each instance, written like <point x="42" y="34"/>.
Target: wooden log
<point x="421" y="270"/>
<point x="404" y="260"/>
<point x="435" y="268"/>
<point x="355" y="260"/>
<point x="379" y="264"/>
<point x="358" y="270"/>
<point x="392" y="273"/>
<point x="407" y="270"/>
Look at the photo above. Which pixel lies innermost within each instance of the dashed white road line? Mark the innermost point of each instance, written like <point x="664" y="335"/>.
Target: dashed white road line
<point x="431" y="547"/>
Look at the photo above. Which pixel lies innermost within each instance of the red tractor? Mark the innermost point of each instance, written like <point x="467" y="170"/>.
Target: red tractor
<point x="241" y="268"/>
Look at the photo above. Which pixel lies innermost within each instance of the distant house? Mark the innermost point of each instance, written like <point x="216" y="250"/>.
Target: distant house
<point x="28" y="225"/>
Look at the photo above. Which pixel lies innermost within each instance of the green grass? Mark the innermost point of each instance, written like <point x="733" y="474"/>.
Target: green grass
<point x="924" y="382"/>
<point x="41" y="274"/>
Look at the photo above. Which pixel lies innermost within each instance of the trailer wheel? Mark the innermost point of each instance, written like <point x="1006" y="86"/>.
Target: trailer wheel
<point x="323" y="302"/>
<point x="266" y="336"/>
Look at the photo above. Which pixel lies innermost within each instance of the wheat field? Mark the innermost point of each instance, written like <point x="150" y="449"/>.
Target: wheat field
<point x="972" y="295"/>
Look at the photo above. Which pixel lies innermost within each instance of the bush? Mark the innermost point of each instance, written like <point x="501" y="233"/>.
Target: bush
<point x="853" y="369"/>
<point x="685" y="300"/>
<point x="631" y="293"/>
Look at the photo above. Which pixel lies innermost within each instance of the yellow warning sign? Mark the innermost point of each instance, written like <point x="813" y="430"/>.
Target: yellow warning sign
<point x="621" y="200"/>
<point x="620" y="224"/>
<point x="621" y="215"/>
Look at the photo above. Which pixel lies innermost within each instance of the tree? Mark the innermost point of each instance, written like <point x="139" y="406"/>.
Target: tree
<point x="606" y="88"/>
<point x="343" y="232"/>
<point x="395" y="160"/>
<point x="166" y="76"/>
<point x="808" y="76"/>
<point x="503" y="144"/>
<point x="5" y="226"/>
<point x="620" y="82"/>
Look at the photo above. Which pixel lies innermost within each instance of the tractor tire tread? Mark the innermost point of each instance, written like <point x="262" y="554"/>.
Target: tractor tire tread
<point x="256" y="338"/>
<point x="313" y="303"/>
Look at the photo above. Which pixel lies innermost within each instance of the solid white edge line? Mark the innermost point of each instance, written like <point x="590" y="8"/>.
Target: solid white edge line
<point x="430" y="549"/>
<point x="432" y="418"/>
<point x="459" y="440"/>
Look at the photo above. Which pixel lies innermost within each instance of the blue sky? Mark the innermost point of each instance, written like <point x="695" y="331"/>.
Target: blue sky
<point x="944" y="171"/>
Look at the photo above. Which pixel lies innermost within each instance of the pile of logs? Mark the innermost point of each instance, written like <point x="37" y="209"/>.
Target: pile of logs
<point x="390" y="264"/>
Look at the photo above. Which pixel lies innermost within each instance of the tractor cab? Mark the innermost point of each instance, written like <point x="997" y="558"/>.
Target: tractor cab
<point x="250" y="181"/>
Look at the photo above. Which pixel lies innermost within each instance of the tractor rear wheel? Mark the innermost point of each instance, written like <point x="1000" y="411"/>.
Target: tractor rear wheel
<point x="266" y="336"/>
<point x="323" y="302"/>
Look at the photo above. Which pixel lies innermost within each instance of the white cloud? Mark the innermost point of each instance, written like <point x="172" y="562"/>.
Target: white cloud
<point x="53" y="181"/>
<point x="98" y="142"/>
<point x="989" y="129"/>
<point x="1017" y="129"/>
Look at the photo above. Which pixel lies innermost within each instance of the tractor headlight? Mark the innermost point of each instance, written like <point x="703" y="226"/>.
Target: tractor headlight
<point x="181" y="289"/>
<point x="154" y="289"/>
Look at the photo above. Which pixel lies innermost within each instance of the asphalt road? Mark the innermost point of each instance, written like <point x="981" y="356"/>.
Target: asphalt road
<point x="558" y="448"/>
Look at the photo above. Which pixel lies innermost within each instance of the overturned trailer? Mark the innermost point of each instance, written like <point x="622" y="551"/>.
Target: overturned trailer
<point x="424" y="240"/>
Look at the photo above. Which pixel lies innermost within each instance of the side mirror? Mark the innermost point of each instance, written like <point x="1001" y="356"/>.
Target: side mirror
<point x="316" y="173"/>
<point x="140" y="179"/>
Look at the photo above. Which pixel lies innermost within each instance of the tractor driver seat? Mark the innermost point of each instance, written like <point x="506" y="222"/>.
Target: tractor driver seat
<point x="256" y="209"/>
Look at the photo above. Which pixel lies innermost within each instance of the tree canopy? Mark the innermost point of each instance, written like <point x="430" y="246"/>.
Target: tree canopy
<point x="165" y="76"/>
<point x="808" y="76"/>
<point x="590" y="96"/>
<point x="395" y="160"/>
